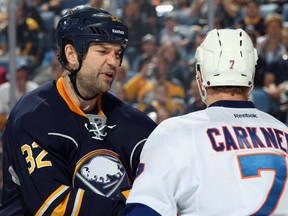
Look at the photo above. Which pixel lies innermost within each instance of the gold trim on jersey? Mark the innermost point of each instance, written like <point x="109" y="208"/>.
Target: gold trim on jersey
<point x="126" y="193"/>
<point x="61" y="208"/>
<point x="71" y="103"/>
<point x="65" y="95"/>
<point x="78" y="202"/>
<point x="59" y="191"/>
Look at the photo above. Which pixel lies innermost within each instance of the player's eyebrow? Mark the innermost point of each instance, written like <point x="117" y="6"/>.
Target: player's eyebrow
<point x="118" y="48"/>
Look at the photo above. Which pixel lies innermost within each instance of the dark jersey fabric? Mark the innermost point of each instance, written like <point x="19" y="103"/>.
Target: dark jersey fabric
<point x="54" y="154"/>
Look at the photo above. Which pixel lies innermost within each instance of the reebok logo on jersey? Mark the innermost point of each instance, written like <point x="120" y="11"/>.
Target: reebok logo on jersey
<point x="245" y="115"/>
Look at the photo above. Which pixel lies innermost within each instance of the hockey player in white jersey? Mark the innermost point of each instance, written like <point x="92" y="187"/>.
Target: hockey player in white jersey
<point x="229" y="159"/>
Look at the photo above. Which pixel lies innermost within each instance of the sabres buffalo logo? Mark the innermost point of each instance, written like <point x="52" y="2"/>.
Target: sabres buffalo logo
<point x="103" y="173"/>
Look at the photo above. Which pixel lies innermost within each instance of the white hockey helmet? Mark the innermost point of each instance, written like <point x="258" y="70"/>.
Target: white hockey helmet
<point x="226" y="57"/>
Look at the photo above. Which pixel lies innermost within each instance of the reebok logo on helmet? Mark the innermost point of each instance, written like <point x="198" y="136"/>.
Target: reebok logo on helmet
<point x="118" y="31"/>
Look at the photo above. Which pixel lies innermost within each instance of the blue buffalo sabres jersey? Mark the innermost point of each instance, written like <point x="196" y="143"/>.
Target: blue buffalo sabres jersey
<point x="61" y="161"/>
<point x="229" y="159"/>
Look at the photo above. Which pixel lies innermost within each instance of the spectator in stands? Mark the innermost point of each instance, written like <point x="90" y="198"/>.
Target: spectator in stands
<point x="277" y="79"/>
<point x="193" y="99"/>
<point x="120" y="91"/>
<point x="4" y="18"/>
<point x="34" y="12"/>
<point x="261" y="67"/>
<point x="149" y="16"/>
<point x="98" y="4"/>
<point x="252" y="20"/>
<point x="23" y="85"/>
<point x="170" y="33"/>
<point x="181" y="9"/>
<point x="162" y="114"/>
<point x="260" y="98"/>
<point x="123" y="73"/>
<point x="199" y="37"/>
<point x="51" y="71"/>
<point x="177" y="72"/>
<point x="140" y="87"/>
<point x="47" y="5"/>
<point x="160" y="106"/>
<point x="182" y="4"/>
<point x="3" y="74"/>
<point x="227" y="11"/>
<point x="149" y="47"/>
<point x="270" y="45"/>
<point x="1" y="169"/>
<point x="28" y="36"/>
<point x="132" y="18"/>
<point x="44" y="14"/>
<point x="198" y="11"/>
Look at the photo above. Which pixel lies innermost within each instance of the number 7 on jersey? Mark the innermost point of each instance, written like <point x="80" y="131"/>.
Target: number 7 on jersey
<point x="251" y="166"/>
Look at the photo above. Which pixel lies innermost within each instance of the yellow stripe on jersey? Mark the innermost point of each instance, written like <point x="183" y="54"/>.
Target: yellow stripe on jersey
<point x="65" y="95"/>
<point x="99" y="101"/>
<point x="126" y="193"/>
<point x="78" y="202"/>
<point x="61" y="208"/>
<point x="51" y="198"/>
<point x="72" y="105"/>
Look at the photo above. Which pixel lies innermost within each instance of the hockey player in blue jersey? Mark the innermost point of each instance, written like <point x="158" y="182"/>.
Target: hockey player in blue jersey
<point x="71" y="147"/>
<point x="229" y="159"/>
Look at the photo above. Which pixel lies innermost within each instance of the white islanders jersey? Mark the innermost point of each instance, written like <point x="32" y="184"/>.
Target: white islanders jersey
<point x="229" y="159"/>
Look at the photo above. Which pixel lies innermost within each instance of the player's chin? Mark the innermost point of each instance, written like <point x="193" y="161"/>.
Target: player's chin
<point x="106" y="86"/>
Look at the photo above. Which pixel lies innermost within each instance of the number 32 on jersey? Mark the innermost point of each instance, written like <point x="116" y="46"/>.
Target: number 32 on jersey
<point x="33" y="161"/>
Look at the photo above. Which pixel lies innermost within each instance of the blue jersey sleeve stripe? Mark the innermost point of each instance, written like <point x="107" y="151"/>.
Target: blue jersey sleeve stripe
<point x="136" y="209"/>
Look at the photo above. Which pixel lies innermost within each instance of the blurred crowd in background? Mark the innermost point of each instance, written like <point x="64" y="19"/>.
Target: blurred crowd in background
<point x="158" y="72"/>
<point x="157" y="75"/>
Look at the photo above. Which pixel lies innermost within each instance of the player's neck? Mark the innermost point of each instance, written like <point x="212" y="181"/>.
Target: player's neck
<point x="212" y="98"/>
<point x="86" y="106"/>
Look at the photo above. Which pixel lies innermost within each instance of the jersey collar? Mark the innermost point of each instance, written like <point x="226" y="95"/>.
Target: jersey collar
<point x="233" y="104"/>
<point x="70" y="102"/>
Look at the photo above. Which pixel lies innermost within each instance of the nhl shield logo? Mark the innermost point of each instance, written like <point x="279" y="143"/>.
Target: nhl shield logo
<point x="103" y="173"/>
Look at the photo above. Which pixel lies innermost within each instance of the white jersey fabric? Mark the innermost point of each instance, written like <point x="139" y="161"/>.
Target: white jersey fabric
<point x="229" y="159"/>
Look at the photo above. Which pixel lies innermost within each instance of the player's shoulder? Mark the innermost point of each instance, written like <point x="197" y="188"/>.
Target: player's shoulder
<point x="193" y="119"/>
<point x="266" y="117"/>
<point x="41" y="104"/>
<point x="33" y="98"/>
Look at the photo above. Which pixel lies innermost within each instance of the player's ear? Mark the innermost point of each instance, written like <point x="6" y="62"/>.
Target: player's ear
<point x="199" y="75"/>
<point x="201" y="88"/>
<point x="71" y="56"/>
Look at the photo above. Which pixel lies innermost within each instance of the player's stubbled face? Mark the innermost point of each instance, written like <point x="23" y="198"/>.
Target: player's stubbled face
<point x="99" y="68"/>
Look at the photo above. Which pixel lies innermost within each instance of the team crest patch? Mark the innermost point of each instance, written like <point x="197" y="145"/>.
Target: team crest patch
<point x="103" y="173"/>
